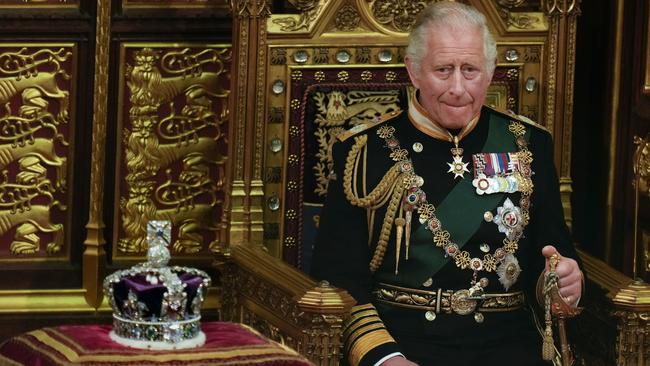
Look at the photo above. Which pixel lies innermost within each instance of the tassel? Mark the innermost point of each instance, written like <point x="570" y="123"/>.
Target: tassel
<point x="409" y="215"/>
<point x="548" y="351"/>
<point x="399" y="222"/>
<point x="547" y="343"/>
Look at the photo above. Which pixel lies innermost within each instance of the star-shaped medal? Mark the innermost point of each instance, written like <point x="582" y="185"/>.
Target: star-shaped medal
<point x="458" y="167"/>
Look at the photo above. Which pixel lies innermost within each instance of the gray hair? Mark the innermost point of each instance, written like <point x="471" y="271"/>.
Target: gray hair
<point x="453" y="15"/>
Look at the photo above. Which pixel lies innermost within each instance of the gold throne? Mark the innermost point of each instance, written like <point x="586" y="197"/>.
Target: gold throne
<point x="300" y="79"/>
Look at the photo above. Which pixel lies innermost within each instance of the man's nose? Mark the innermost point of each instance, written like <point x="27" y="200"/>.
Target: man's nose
<point x="456" y="88"/>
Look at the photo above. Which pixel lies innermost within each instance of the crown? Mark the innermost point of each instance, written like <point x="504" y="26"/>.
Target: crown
<point x="156" y="306"/>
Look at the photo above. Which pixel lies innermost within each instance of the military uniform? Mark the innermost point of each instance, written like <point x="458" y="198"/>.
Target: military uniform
<point x="393" y="190"/>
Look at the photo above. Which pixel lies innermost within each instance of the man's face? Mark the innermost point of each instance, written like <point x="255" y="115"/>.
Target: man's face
<point x="452" y="79"/>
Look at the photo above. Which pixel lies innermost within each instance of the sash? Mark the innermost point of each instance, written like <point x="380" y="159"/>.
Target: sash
<point x="461" y="213"/>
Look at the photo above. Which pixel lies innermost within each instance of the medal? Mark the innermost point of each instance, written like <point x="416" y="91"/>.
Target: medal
<point x="508" y="271"/>
<point x="457" y="166"/>
<point x="509" y="220"/>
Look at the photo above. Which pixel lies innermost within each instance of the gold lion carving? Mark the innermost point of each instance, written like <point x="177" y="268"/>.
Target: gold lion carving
<point x="45" y="82"/>
<point x="190" y="201"/>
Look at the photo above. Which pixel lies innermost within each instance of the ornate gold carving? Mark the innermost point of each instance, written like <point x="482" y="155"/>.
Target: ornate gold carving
<point x="532" y="54"/>
<point x="309" y="10"/>
<point x="100" y="101"/>
<point x="510" y="3"/>
<point x="278" y="56"/>
<point x="94" y="254"/>
<point x="292" y="185"/>
<point x="17" y="209"/>
<point x="642" y="164"/>
<point x="524" y="20"/>
<point x="294" y="131"/>
<point x="282" y="302"/>
<point x="321" y="56"/>
<point x="296" y="75"/>
<point x="22" y="69"/>
<point x="290" y="214"/>
<point x="367" y="75"/>
<point x="267" y="329"/>
<point x="347" y="19"/>
<point x="632" y="304"/>
<point x="561" y="7"/>
<point x="140" y="4"/>
<point x="363" y="55"/>
<point x="319" y="76"/>
<point x="517" y="20"/>
<point x="512" y="74"/>
<point x="32" y="185"/>
<point x="396" y="15"/>
<point x="276" y="115"/>
<point x="337" y="111"/>
<point x="289" y="242"/>
<point x="29" y="139"/>
<point x="263" y="12"/>
<point x="155" y="144"/>
<point x="240" y="8"/>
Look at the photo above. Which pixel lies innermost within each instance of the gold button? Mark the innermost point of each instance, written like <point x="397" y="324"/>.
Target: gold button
<point x="488" y="216"/>
<point x="418" y="147"/>
<point x="478" y="317"/>
<point x="430" y="315"/>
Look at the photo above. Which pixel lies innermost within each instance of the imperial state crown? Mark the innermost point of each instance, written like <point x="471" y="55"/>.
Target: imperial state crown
<point x="156" y="306"/>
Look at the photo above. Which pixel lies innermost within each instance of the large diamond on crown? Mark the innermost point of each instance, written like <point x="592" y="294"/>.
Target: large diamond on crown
<point x="156" y="306"/>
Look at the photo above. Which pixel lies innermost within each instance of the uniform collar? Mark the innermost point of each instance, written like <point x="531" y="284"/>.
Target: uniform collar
<point x="421" y="120"/>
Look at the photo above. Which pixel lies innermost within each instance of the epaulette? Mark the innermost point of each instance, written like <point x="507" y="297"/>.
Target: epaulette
<point x="521" y="118"/>
<point x="364" y="126"/>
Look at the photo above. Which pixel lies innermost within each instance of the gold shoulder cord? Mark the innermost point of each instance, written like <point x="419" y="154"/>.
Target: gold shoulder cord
<point x="388" y="190"/>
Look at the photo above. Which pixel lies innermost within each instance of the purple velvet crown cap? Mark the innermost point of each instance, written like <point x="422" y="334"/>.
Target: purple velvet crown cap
<point x="151" y="295"/>
<point x="156" y="306"/>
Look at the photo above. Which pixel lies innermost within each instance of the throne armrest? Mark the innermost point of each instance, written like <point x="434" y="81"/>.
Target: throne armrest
<point x="283" y="303"/>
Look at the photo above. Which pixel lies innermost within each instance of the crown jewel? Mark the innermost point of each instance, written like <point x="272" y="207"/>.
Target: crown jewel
<point x="156" y="306"/>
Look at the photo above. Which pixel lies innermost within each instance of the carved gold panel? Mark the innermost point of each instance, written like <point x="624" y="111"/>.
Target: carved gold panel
<point x="173" y="123"/>
<point x="37" y="105"/>
<point x="178" y="4"/>
<point x="36" y="4"/>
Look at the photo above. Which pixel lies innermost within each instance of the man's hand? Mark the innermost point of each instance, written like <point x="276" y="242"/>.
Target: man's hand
<point x="398" y="361"/>
<point x="569" y="275"/>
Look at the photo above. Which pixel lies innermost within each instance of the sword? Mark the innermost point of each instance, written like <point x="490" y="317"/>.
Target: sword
<point x="556" y="307"/>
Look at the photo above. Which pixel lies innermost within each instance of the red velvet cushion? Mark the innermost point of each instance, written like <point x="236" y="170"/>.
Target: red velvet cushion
<point x="226" y="344"/>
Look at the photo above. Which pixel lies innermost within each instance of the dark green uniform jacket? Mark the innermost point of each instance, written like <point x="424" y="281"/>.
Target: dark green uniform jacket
<point x="345" y="247"/>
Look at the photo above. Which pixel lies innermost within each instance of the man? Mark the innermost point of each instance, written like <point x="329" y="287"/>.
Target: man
<point x="438" y="220"/>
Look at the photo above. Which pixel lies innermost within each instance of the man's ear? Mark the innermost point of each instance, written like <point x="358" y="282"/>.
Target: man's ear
<point x="413" y="70"/>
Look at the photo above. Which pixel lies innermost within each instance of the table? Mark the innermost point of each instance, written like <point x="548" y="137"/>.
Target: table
<point x="226" y="344"/>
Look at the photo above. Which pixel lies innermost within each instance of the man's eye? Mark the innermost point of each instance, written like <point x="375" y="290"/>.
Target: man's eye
<point x="470" y="71"/>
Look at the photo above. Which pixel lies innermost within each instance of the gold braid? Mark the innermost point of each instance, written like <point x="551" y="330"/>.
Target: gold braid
<point x="389" y="188"/>
<point x="386" y="227"/>
<point x="383" y="188"/>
